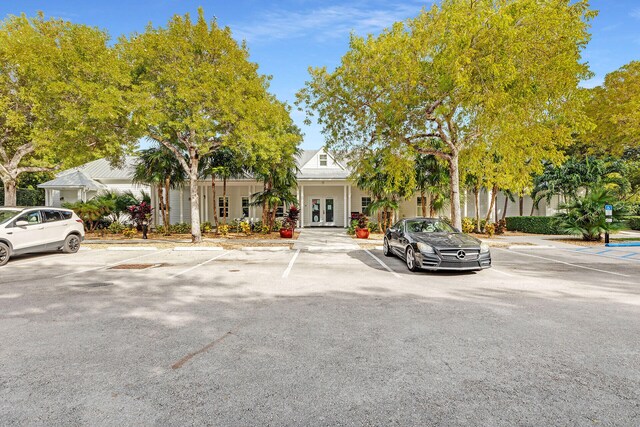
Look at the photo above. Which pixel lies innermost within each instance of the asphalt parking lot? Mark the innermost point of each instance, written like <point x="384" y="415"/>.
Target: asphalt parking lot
<point x="311" y="337"/>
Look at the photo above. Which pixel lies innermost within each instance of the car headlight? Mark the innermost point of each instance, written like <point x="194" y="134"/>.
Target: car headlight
<point x="425" y="249"/>
<point x="484" y="248"/>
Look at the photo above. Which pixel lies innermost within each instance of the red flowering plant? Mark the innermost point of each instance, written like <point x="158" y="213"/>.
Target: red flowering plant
<point x="291" y="219"/>
<point x="140" y="213"/>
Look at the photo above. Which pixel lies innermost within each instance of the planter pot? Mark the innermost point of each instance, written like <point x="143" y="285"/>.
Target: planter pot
<point x="362" y="233"/>
<point x="286" y="233"/>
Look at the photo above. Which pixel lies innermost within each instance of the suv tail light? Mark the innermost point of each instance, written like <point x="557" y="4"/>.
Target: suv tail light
<point x="79" y="220"/>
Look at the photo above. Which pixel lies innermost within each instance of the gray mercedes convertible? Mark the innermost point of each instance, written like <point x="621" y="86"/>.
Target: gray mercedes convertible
<point x="432" y="244"/>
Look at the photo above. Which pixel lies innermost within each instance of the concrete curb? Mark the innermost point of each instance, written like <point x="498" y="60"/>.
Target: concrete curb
<point x="265" y="249"/>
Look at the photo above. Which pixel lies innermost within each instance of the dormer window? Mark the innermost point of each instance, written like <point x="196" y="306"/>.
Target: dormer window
<point x="323" y="160"/>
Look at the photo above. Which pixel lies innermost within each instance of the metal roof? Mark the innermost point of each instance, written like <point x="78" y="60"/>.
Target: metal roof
<point x="74" y="179"/>
<point x="102" y="169"/>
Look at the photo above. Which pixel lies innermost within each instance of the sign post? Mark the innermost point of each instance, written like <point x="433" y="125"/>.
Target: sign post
<point x="608" y="213"/>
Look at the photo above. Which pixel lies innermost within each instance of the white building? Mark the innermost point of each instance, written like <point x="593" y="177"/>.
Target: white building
<point x="326" y="196"/>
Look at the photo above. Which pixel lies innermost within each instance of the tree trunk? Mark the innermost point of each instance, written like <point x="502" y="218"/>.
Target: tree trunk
<point x="224" y="200"/>
<point x="506" y="204"/>
<point x="380" y="224"/>
<point x="492" y="202"/>
<point x="521" y="205"/>
<point x="215" y="206"/>
<point x="423" y="203"/>
<point x="196" y="234"/>
<point x="10" y="192"/>
<point x="161" y="204"/>
<point x="167" y="203"/>
<point x="456" y="218"/>
<point x="432" y="209"/>
<point x="476" y="194"/>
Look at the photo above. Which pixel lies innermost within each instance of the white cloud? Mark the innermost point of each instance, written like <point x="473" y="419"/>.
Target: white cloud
<point x="324" y="23"/>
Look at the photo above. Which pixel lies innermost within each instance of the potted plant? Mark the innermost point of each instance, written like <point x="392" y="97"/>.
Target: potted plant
<point x="289" y="223"/>
<point x="362" y="229"/>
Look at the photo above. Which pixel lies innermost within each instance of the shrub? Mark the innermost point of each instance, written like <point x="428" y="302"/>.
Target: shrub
<point x="501" y="226"/>
<point x="291" y="220"/>
<point x="533" y="224"/>
<point x="180" y="228"/>
<point x="352" y="227"/>
<point x="468" y="225"/>
<point x="373" y="227"/>
<point x="129" y="233"/>
<point x="140" y="213"/>
<point x="206" y="227"/>
<point x="362" y="221"/>
<point x="116" y="228"/>
<point x="490" y="229"/>
<point x="585" y="216"/>
<point x="91" y="212"/>
<point x="223" y="229"/>
<point x="245" y="227"/>
<point x="634" y="222"/>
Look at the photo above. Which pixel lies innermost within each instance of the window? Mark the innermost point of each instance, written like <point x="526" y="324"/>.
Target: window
<point x="66" y="215"/>
<point x="32" y="217"/>
<point x="223" y="212"/>
<point x="280" y="211"/>
<point x="323" y="160"/>
<point x="50" y="216"/>
<point x="366" y="201"/>
<point x="245" y="206"/>
<point x="419" y="205"/>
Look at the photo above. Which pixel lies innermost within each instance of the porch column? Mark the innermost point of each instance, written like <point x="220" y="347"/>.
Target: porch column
<point x="204" y="202"/>
<point x="301" y="206"/>
<point x="346" y="213"/>
<point x="349" y="204"/>
<point x="181" y="205"/>
<point x="466" y="204"/>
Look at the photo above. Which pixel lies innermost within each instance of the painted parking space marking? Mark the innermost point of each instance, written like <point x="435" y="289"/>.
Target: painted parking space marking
<point x="500" y="271"/>
<point x="383" y="264"/>
<point x="290" y="266"/>
<point x="564" y="262"/>
<point x="41" y="258"/>
<point x="198" y="265"/>
<point x="110" y="265"/>
<point x="609" y="253"/>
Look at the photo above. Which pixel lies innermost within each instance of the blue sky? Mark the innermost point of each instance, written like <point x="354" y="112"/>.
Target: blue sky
<point x="286" y="37"/>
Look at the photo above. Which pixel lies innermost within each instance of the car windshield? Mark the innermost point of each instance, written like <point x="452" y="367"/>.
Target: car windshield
<point x="429" y="226"/>
<point x="6" y="215"/>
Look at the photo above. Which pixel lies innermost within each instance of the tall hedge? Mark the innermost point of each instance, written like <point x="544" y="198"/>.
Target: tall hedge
<point x="533" y="224"/>
<point x="26" y="197"/>
<point x="634" y="222"/>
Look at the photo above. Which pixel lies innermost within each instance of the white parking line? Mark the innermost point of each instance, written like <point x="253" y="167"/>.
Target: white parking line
<point x="290" y="266"/>
<point x="500" y="271"/>
<point x="383" y="264"/>
<point x="199" y="265"/>
<point x="565" y="263"/>
<point x="44" y="258"/>
<point x="110" y="265"/>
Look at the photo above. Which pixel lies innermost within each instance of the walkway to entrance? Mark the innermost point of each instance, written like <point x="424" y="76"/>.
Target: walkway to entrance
<point x="324" y="239"/>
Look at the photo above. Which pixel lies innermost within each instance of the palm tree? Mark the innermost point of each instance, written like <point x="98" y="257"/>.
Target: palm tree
<point x="224" y="163"/>
<point x="432" y="176"/>
<point x="158" y="166"/>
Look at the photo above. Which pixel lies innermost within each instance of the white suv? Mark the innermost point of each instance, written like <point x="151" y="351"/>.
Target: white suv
<point x="37" y="229"/>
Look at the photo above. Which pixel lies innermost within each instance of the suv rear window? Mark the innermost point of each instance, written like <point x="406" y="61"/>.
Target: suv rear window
<point x="50" y="216"/>
<point x="65" y="214"/>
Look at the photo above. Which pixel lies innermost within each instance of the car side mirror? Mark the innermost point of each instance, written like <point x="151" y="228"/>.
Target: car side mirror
<point x="22" y="223"/>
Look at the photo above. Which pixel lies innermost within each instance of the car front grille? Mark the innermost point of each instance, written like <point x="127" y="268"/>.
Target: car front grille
<point x="459" y="255"/>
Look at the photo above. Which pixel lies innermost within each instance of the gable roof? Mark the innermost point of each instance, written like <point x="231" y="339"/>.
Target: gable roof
<point x="74" y="179"/>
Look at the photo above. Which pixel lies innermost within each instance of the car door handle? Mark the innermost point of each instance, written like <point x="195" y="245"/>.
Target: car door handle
<point x="9" y="232"/>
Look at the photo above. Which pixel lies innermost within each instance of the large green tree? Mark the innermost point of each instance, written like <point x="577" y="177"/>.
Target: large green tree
<point x="614" y="108"/>
<point x="465" y="72"/>
<point x="197" y="92"/>
<point x="62" y="98"/>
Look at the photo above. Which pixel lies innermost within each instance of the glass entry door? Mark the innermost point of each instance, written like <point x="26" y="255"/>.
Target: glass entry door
<point x="322" y="211"/>
<point x="328" y="210"/>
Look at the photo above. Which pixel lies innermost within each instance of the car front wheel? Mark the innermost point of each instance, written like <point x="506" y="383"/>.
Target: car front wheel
<point x="386" y="250"/>
<point x="4" y="254"/>
<point x="71" y="244"/>
<point x="411" y="259"/>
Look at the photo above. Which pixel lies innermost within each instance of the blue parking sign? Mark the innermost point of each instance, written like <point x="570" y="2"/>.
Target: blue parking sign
<point x="608" y="207"/>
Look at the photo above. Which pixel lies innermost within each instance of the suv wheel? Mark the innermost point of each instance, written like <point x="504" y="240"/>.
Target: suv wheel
<point x="411" y="259"/>
<point x="4" y="254"/>
<point x="71" y="244"/>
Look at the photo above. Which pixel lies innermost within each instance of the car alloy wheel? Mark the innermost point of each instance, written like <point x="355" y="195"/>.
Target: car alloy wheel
<point x="4" y="254"/>
<point x="411" y="259"/>
<point x="71" y="244"/>
<point x="386" y="250"/>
